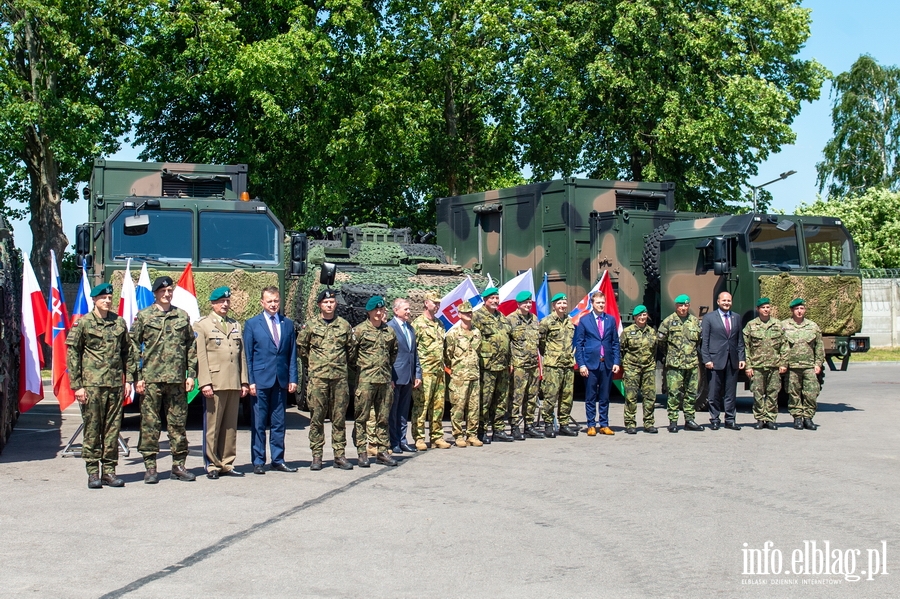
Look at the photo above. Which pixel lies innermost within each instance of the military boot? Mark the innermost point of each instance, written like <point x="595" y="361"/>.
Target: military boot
<point x="501" y="436"/>
<point x="690" y="425"/>
<point x="474" y="441"/>
<point x="341" y="463"/>
<point x="363" y="460"/>
<point x="151" y="477"/>
<point x="94" y="481"/>
<point x="179" y="473"/>
<point x="798" y="423"/>
<point x="111" y="480"/>
<point x="549" y="431"/>
<point x="517" y="434"/>
<point x="567" y="431"/>
<point x="533" y="433"/>
<point x="316" y="464"/>
<point x="440" y="444"/>
<point x="809" y="425"/>
<point x="420" y="445"/>
<point x="759" y="425"/>
<point x="673" y="426"/>
<point x="386" y="460"/>
<point x="461" y="442"/>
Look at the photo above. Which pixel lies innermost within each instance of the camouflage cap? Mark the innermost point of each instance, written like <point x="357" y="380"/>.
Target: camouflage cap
<point x="102" y="289"/>
<point x="326" y="294"/>
<point x="489" y="292"/>
<point x="639" y="309"/>
<point x="375" y="302"/>
<point x="557" y="297"/>
<point x="466" y="306"/>
<point x="433" y="296"/>
<point x="160" y="282"/>
<point x="219" y="293"/>
<point x="798" y="302"/>
<point x="523" y="296"/>
<point x="682" y="299"/>
<point x="763" y="301"/>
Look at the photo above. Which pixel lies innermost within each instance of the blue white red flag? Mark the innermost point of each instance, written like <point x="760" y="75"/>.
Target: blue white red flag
<point x="465" y="291"/>
<point x="55" y="337"/>
<point x="83" y="301"/>
<point x="584" y="306"/>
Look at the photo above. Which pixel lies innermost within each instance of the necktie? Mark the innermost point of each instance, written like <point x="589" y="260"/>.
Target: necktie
<point x="274" y="331"/>
<point x="600" y="329"/>
<point x="406" y="334"/>
<point x="728" y="324"/>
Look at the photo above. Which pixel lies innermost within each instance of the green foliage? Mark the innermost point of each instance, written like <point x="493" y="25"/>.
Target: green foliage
<point x="873" y="220"/>
<point x="865" y="150"/>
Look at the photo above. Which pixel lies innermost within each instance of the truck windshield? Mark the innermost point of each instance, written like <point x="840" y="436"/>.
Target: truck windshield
<point x="238" y="236"/>
<point x="168" y="239"/>
<point x="828" y="247"/>
<point x="770" y="247"/>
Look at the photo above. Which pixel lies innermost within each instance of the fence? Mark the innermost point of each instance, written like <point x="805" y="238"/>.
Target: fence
<point x="881" y="311"/>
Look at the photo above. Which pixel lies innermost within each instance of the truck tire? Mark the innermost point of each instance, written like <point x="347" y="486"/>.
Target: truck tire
<point x="650" y="256"/>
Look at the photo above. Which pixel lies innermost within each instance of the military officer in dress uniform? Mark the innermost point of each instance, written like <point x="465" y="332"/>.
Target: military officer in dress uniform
<point x="222" y="378"/>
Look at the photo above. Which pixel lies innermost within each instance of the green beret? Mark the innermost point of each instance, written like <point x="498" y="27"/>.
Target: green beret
<point x="489" y="292"/>
<point x="639" y="309"/>
<point x="375" y="302"/>
<point x="763" y="301"/>
<point x="160" y="282"/>
<point x="798" y="302"/>
<point x="466" y="306"/>
<point x="326" y="294"/>
<point x="523" y="296"/>
<point x="682" y="299"/>
<point x="101" y="289"/>
<point x="219" y="293"/>
<point x="557" y="297"/>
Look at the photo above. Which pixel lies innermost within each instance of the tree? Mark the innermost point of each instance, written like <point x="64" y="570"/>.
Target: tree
<point x="59" y="108"/>
<point x="873" y="219"/>
<point x="865" y="150"/>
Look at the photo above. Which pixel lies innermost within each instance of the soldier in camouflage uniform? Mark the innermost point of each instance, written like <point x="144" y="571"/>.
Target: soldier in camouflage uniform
<point x="168" y="368"/>
<point x="804" y="354"/>
<point x="555" y="343"/>
<point x="495" y="368"/>
<point x="524" y="341"/>
<point x="763" y="341"/>
<point x="324" y="345"/>
<point x="461" y="346"/>
<point x="373" y="354"/>
<point x="428" y="398"/>
<point x="101" y="359"/>
<point x="638" y="345"/>
<point x="679" y="340"/>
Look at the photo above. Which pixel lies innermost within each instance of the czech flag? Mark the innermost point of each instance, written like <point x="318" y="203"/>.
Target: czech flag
<point x="55" y="336"/>
<point x="509" y="291"/>
<point x="465" y="291"/>
<point x="34" y="323"/>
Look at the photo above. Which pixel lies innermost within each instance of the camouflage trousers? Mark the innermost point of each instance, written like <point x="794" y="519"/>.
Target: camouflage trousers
<point x="377" y="398"/>
<point x="327" y="397"/>
<point x="523" y="404"/>
<point x="494" y="397"/>
<point x="556" y="391"/>
<point x="173" y="398"/>
<point x="803" y="387"/>
<point x="428" y="400"/>
<point x="464" y="396"/>
<point x="765" y="385"/>
<point x="682" y="386"/>
<point x="640" y="380"/>
<point x="102" y="416"/>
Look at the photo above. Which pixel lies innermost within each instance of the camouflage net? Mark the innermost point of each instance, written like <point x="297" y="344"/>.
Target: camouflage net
<point x="834" y="303"/>
<point x="10" y="311"/>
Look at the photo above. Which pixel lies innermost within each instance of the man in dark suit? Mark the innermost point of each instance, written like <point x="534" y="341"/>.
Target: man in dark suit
<point x="722" y="352"/>
<point x="406" y="375"/>
<point x="270" y="345"/>
<point x="596" y="345"/>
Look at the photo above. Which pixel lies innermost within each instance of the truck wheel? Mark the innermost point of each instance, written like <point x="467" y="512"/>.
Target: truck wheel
<point x="650" y="255"/>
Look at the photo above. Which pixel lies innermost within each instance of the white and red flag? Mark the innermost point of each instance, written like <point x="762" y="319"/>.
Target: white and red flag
<point x="509" y="291"/>
<point x="55" y="336"/>
<point x="128" y="307"/>
<point x="185" y="296"/>
<point x="34" y="322"/>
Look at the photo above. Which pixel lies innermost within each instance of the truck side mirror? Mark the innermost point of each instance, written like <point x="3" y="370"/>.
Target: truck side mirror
<point x="83" y="246"/>
<point x="137" y="225"/>
<point x="326" y="277"/>
<point x="299" y="250"/>
<point x="721" y="260"/>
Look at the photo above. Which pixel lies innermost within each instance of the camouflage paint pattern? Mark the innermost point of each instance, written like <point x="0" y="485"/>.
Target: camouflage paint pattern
<point x="172" y="398"/>
<point x="102" y="418"/>
<point x="837" y="303"/>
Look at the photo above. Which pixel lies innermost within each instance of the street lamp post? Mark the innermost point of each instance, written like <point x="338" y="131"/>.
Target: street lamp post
<point x="758" y="187"/>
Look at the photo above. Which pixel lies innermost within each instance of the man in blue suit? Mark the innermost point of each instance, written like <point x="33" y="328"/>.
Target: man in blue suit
<point x="596" y="345"/>
<point x="406" y="375"/>
<point x="270" y="345"/>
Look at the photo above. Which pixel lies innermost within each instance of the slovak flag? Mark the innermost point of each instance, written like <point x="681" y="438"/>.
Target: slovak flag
<point x="34" y="322"/>
<point x="512" y="288"/>
<point x="185" y="296"/>
<point x="542" y="301"/>
<point x="55" y="336"/>
<point x="143" y="293"/>
<point x="604" y="285"/>
<point x="465" y="291"/>
<point x="128" y="307"/>
<point x="584" y="306"/>
<point x="83" y="301"/>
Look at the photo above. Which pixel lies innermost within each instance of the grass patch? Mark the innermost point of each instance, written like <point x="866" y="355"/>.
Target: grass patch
<point x="877" y="355"/>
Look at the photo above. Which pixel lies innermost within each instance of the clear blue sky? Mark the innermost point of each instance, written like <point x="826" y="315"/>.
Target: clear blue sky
<point x="841" y="32"/>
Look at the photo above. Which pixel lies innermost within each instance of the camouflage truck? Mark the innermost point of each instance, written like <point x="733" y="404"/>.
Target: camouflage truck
<point x="574" y="229"/>
<point x="10" y="311"/>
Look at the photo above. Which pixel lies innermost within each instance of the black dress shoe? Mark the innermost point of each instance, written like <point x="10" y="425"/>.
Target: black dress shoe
<point x="798" y="424"/>
<point x="259" y="469"/>
<point x="396" y="449"/>
<point x="651" y="429"/>
<point x="407" y="447"/>
<point x="732" y="426"/>
<point x="517" y="434"/>
<point x="282" y="467"/>
<point x="673" y="426"/>
<point x="549" y="431"/>
<point x="111" y="480"/>
<point x="630" y="430"/>
<point x="342" y="463"/>
<point x="715" y="425"/>
<point x="690" y="425"/>
<point x="565" y="431"/>
<point x="385" y="459"/>
<point x="212" y="475"/>
<point x="316" y="463"/>
<point x="94" y="481"/>
<point x="363" y="460"/>
<point x="232" y="472"/>
<point x="809" y="425"/>
<point x="771" y="425"/>
<point x="501" y="437"/>
<point x="533" y="433"/>
<point x="759" y="425"/>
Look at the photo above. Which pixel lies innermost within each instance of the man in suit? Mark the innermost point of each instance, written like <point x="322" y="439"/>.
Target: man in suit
<point x="722" y="352"/>
<point x="222" y="378"/>
<point x="596" y="345"/>
<point x="406" y="374"/>
<point x="269" y="342"/>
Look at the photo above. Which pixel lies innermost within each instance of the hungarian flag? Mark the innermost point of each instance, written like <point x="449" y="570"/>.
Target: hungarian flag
<point x="185" y="297"/>
<point x="83" y="301"/>
<point x="509" y="291"/>
<point x="34" y="323"/>
<point x="55" y="336"/>
<point x="128" y="307"/>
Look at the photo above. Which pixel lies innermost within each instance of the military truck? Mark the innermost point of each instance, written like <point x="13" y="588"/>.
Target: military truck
<point x="10" y="311"/>
<point x="574" y="229"/>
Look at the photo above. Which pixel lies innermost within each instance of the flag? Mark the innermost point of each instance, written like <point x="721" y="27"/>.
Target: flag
<point x="490" y="282"/>
<point x="128" y="308"/>
<point x="143" y="293"/>
<point x="185" y="296"/>
<point x="584" y="306"/>
<point x="542" y="301"/>
<point x="34" y="322"/>
<point x="465" y="291"/>
<point x="55" y="336"/>
<point x="83" y="301"/>
<point x="509" y="291"/>
<point x="604" y="285"/>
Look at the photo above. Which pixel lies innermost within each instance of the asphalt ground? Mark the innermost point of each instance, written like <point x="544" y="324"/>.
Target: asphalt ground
<point x="667" y="515"/>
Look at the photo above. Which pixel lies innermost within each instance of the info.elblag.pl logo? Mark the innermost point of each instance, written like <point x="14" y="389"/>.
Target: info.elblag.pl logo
<point x="812" y="562"/>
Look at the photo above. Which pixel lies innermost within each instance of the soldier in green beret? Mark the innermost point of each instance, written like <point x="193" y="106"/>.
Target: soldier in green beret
<point x="101" y="360"/>
<point x="679" y="343"/>
<point x="556" y="332"/>
<point x="524" y="340"/>
<point x="763" y="344"/>
<point x="461" y="346"/>
<point x="428" y="398"/>
<point x="495" y="368"/>
<point x="638" y="346"/>
<point x="804" y="354"/>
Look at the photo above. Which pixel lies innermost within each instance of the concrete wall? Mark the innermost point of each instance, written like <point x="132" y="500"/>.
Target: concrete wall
<point x="881" y="312"/>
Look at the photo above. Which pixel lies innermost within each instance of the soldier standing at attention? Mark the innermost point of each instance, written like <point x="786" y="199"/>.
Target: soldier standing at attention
<point x="168" y="367"/>
<point x="428" y="398"/>
<point x="494" y="367"/>
<point x="638" y="343"/>
<point x="556" y="334"/>
<point x="461" y="346"/>
<point x="804" y="354"/>
<point x="373" y="354"/>
<point x="222" y="378"/>
<point x="679" y="339"/>
<point x="101" y="359"/>
<point x="324" y="345"/>
<point x="763" y="341"/>
<point x="524" y="341"/>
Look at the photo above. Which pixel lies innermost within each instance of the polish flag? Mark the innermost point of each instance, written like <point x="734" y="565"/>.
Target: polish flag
<point x="34" y="322"/>
<point x="83" y="301"/>
<point x="128" y="307"/>
<point x="55" y="336"/>
<point x="509" y="291"/>
<point x="185" y="296"/>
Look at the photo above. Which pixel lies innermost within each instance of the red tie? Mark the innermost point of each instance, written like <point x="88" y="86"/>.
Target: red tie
<point x="600" y="329"/>
<point x="728" y="324"/>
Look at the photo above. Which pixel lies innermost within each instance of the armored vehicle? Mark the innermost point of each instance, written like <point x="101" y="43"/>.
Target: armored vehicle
<point x="10" y="311"/>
